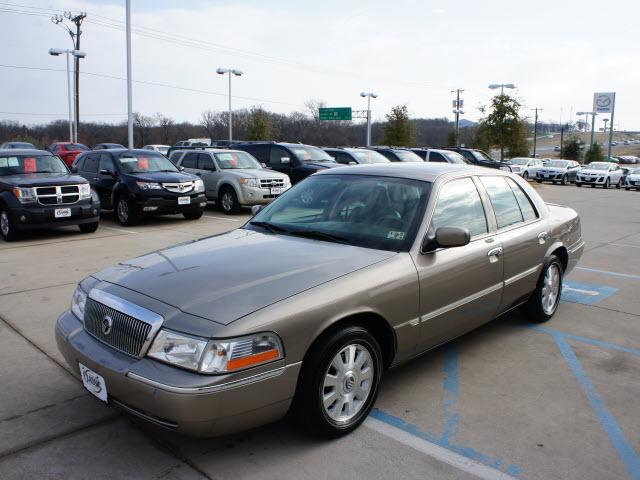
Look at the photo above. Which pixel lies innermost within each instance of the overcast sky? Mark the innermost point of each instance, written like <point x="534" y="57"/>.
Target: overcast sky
<point x="408" y="51"/>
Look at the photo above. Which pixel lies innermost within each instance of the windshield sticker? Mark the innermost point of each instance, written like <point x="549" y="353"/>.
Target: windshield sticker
<point x="9" y="162"/>
<point x="393" y="235"/>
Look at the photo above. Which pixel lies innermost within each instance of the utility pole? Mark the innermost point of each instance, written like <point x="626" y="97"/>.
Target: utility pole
<point x="613" y="110"/>
<point x="129" y="79"/>
<point x="457" y="109"/>
<point x="535" y="130"/>
<point x="76" y="19"/>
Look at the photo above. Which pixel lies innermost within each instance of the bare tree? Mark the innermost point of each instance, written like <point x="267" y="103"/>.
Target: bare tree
<point x="166" y="125"/>
<point x="144" y="124"/>
<point x="214" y="123"/>
<point x="313" y="106"/>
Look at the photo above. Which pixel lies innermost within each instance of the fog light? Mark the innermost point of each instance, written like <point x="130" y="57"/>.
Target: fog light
<point x="250" y="195"/>
<point x="23" y="218"/>
<point x="149" y="209"/>
<point x="95" y="211"/>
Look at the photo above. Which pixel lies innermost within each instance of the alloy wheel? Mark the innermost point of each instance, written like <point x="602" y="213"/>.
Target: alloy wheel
<point x="4" y="223"/>
<point x="227" y="202"/>
<point x="551" y="289"/>
<point x="347" y="383"/>
<point x="123" y="211"/>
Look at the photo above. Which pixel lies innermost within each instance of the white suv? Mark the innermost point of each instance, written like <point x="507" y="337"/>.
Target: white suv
<point x="525" y="167"/>
<point x="603" y="174"/>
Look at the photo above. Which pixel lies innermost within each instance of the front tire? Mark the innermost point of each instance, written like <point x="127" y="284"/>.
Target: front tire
<point x="539" y="181"/>
<point x="578" y="184"/>
<point x="543" y="303"/>
<point x="627" y="188"/>
<point x="619" y="184"/>
<point x="126" y="212"/>
<point x="606" y="184"/>
<point x="193" y="214"/>
<point x="229" y="201"/>
<point x="339" y="382"/>
<point x="525" y="176"/>
<point x="88" y="227"/>
<point x="565" y="179"/>
<point x="7" y="229"/>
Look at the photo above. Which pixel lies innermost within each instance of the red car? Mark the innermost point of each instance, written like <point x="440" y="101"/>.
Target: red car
<point x="67" y="151"/>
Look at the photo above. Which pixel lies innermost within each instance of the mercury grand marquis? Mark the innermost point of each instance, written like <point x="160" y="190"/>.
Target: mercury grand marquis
<point x="350" y="272"/>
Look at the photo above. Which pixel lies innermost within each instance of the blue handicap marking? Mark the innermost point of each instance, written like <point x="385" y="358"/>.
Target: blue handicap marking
<point x="585" y="293"/>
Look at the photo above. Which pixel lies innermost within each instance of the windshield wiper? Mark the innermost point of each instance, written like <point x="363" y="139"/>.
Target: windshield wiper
<point x="320" y="236"/>
<point x="272" y="227"/>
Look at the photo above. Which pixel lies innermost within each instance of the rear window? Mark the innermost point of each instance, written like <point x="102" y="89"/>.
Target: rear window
<point x="407" y="156"/>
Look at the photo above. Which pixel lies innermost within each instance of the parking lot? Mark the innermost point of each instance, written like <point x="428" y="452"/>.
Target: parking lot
<point x="551" y="401"/>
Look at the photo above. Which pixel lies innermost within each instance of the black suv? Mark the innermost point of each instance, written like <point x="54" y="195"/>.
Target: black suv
<point x="295" y="159"/>
<point x="136" y="183"/>
<point x="38" y="191"/>
<point x="397" y="154"/>
<point x="480" y="158"/>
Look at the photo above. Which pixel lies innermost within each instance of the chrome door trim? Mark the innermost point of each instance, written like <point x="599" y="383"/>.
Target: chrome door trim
<point x="414" y="322"/>
<point x="521" y="275"/>
<point x="461" y="302"/>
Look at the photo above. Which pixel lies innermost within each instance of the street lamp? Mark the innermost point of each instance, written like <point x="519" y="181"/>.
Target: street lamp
<point x="73" y="132"/>
<point x="237" y="73"/>
<point x="369" y="96"/>
<point x="502" y="86"/>
<point x="593" y="123"/>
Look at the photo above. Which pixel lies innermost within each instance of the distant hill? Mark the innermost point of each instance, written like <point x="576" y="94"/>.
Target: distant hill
<point x="464" y="123"/>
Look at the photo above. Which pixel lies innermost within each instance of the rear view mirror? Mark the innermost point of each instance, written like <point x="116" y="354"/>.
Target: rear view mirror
<point x="255" y="209"/>
<point x="445" y="237"/>
<point x="285" y="160"/>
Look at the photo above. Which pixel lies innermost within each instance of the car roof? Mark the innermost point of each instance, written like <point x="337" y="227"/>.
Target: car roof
<point x="424" y="171"/>
<point x="24" y="151"/>
<point x="208" y="149"/>
<point x="116" y="151"/>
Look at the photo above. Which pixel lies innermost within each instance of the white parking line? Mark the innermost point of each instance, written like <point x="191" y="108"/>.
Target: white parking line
<point x="579" y="290"/>
<point x="224" y="218"/>
<point x="447" y="456"/>
<point x="117" y="229"/>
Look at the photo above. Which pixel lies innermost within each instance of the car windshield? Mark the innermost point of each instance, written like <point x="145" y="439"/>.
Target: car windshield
<point x="20" y="145"/>
<point x="368" y="156"/>
<point x="598" y="166"/>
<point x="163" y="150"/>
<point x="407" y="156"/>
<point x="518" y="161"/>
<point x="557" y="164"/>
<point x="455" y="157"/>
<point x="75" y="146"/>
<point x="26" y="164"/>
<point x="482" y="156"/>
<point x="635" y="171"/>
<point x="307" y="153"/>
<point x="236" y="161"/>
<point x="366" y="211"/>
<point x="147" y="162"/>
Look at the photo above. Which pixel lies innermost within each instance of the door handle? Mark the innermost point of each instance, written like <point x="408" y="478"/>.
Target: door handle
<point x="495" y="252"/>
<point x="543" y="237"/>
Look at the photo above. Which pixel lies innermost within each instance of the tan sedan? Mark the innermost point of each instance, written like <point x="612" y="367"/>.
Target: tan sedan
<point x="350" y="272"/>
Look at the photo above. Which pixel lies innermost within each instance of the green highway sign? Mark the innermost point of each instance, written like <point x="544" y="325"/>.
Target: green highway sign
<point x="335" y="113"/>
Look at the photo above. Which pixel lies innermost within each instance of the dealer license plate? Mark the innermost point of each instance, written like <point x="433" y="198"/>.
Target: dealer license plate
<point x="62" y="212"/>
<point x="93" y="382"/>
<point x="184" y="200"/>
<point x="276" y="191"/>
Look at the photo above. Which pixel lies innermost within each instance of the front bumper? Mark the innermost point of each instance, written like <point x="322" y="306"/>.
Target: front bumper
<point x="258" y="196"/>
<point x="30" y="217"/>
<point x="591" y="180"/>
<point x="550" y="177"/>
<point x="176" y="399"/>
<point x="168" y="204"/>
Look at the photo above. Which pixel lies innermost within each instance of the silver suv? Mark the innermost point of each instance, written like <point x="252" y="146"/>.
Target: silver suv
<point x="232" y="178"/>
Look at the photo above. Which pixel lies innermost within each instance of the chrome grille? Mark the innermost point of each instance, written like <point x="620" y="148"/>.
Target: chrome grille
<point x="271" y="182"/>
<point x="128" y="334"/>
<point x="58" y="195"/>
<point x="182" y="187"/>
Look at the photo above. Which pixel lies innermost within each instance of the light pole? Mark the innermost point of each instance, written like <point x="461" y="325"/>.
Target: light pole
<point x="369" y="96"/>
<point x="593" y="123"/>
<point x="457" y="110"/>
<point x="237" y="73"/>
<point x="73" y="126"/>
<point x="502" y="86"/>
<point x="129" y="78"/>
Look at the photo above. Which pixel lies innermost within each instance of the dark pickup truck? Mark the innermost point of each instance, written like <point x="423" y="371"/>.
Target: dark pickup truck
<point x="38" y="191"/>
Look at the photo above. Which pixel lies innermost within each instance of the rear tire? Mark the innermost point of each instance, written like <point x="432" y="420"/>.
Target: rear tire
<point x="339" y="382"/>
<point x="543" y="303"/>
<point x="88" y="227"/>
<point x="7" y="229"/>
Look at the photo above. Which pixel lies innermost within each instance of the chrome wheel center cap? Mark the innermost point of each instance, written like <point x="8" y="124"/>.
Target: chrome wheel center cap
<point x="348" y="383"/>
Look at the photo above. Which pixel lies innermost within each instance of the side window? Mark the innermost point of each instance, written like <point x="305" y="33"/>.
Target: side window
<point x="277" y="154"/>
<point x="205" y="162"/>
<point x="524" y="202"/>
<point x="174" y="157"/>
<point x="190" y="160"/>
<point x="459" y="205"/>
<point x="503" y="201"/>
<point x="91" y="164"/>
<point x="106" y="163"/>
<point x="437" y="157"/>
<point x="341" y="157"/>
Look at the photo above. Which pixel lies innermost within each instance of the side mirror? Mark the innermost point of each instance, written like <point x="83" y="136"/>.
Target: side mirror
<point x="353" y="163"/>
<point x="285" y="160"/>
<point x="264" y="165"/>
<point x="181" y="168"/>
<point x="73" y="169"/>
<point x="255" y="209"/>
<point x="445" y="237"/>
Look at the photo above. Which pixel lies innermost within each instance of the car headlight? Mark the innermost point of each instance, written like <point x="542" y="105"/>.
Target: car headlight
<point x="250" y="182"/>
<point x="78" y="302"/>
<point x="215" y="356"/>
<point x="506" y="169"/>
<point x="198" y="186"/>
<point x="25" y="195"/>
<point x="287" y="182"/>
<point x="149" y="185"/>
<point x="85" y="191"/>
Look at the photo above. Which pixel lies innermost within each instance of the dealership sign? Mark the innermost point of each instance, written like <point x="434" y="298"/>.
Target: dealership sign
<point x="604" y="102"/>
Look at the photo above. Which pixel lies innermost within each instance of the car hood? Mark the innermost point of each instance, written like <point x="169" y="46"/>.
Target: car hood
<point x="552" y="170"/>
<point x="42" y="179"/>
<point x="321" y="165"/>
<point x="590" y="171"/>
<point x="228" y="276"/>
<point x="255" y="173"/>
<point x="163" y="177"/>
<point x="634" y="176"/>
